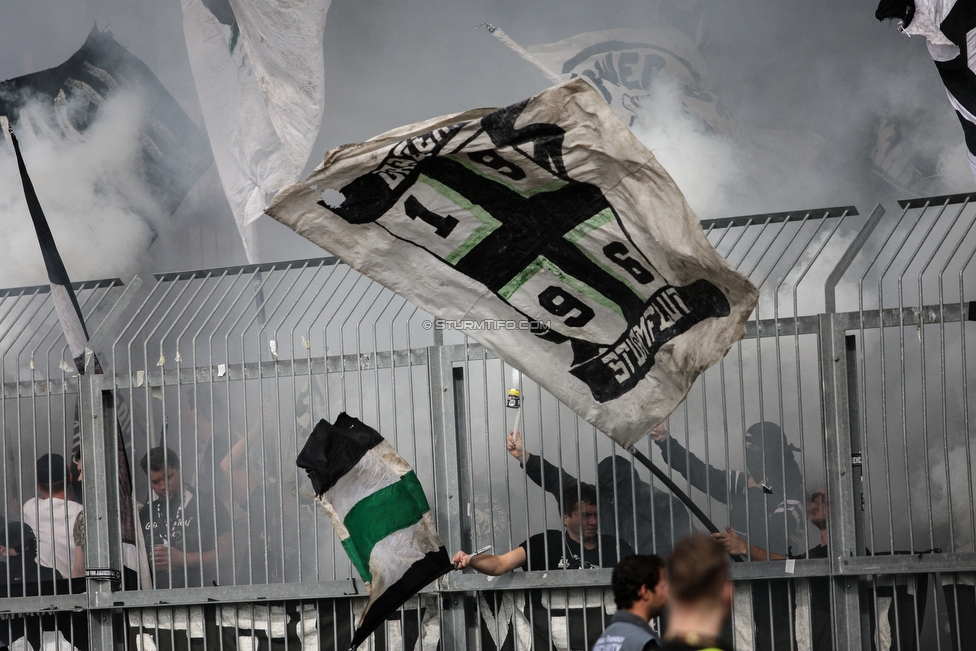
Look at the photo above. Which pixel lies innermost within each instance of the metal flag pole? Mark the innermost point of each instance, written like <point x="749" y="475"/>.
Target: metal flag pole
<point x="677" y="492"/>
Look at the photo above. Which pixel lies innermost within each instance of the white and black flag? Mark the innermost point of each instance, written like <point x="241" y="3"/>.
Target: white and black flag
<point x="949" y="28"/>
<point x="549" y="213"/>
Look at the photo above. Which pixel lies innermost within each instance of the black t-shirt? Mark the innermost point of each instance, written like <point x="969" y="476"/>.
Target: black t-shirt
<point x="26" y="571"/>
<point x="555" y="550"/>
<point x="191" y="523"/>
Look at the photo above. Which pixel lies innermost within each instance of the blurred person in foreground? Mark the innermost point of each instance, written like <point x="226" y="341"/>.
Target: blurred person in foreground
<point x="701" y="595"/>
<point x="578" y="620"/>
<point x="640" y="590"/>
<point x="647" y="518"/>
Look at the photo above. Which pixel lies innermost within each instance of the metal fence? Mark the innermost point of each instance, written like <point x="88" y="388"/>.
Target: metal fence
<point x="857" y="353"/>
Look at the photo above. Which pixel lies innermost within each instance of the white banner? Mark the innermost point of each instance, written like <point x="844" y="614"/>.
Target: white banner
<point x="554" y="233"/>
<point x="260" y="76"/>
<point x="625" y="64"/>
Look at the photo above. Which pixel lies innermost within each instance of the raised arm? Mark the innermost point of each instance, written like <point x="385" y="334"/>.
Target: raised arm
<point x="489" y="564"/>
<point x="705" y="478"/>
<point x="552" y="479"/>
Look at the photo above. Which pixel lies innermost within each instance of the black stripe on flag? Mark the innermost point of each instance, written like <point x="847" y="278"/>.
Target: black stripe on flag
<point x="64" y="296"/>
<point x="73" y="324"/>
<point x="958" y="77"/>
<point x="424" y="571"/>
<point x="333" y="450"/>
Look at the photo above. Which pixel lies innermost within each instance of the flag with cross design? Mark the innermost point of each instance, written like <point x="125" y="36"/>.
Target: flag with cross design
<point x="551" y="235"/>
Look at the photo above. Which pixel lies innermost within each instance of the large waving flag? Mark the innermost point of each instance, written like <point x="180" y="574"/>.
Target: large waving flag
<point x="76" y="334"/>
<point x="260" y="76"/>
<point x="625" y="64"/>
<point x="552" y="235"/>
<point x="379" y="512"/>
<point x="948" y="27"/>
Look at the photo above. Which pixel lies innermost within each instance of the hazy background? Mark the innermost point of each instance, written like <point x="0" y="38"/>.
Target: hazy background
<point x="827" y="70"/>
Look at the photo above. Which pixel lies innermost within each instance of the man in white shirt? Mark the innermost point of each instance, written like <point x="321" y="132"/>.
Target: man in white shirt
<point x="52" y="516"/>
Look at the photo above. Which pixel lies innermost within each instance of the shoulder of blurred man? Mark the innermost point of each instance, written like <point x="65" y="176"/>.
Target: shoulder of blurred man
<point x="627" y="632"/>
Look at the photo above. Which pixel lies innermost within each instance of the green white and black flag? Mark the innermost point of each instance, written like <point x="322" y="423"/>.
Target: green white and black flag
<point x="379" y="512"/>
<point x="552" y="235"/>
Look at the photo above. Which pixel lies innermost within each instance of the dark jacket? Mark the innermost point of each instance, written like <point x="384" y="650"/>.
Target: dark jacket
<point x="661" y="518"/>
<point x="627" y="632"/>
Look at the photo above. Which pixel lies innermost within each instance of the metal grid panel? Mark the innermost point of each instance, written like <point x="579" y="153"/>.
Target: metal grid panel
<point x="230" y="367"/>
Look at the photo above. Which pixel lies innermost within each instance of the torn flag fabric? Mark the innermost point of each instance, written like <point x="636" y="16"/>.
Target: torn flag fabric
<point x="552" y="234"/>
<point x="259" y="71"/>
<point x="379" y="511"/>
<point x="949" y="28"/>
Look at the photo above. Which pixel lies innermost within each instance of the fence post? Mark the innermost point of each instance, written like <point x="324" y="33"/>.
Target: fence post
<point x="447" y="482"/>
<point x="103" y="541"/>
<point x="844" y="503"/>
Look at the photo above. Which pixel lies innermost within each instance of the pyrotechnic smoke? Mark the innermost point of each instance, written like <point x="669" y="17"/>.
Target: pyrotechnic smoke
<point x="100" y="209"/>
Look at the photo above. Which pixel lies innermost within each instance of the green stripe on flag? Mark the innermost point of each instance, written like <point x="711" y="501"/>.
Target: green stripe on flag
<point x="602" y="218"/>
<point x="376" y="516"/>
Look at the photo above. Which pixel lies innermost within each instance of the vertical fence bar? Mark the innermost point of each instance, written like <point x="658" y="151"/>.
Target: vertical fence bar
<point x="447" y="482"/>
<point x="102" y="518"/>
<point x="840" y="487"/>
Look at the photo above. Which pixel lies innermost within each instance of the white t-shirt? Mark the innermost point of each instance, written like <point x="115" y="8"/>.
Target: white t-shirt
<point x="53" y="522"/>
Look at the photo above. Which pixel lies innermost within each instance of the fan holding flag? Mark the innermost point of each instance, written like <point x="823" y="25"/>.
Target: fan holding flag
<point x="579" y="546"/>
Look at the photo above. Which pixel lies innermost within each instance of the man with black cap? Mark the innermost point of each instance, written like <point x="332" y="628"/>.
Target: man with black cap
<point x="52" y="516"/>
<point x="766" y="507"/>
<point x="661" y="519"/>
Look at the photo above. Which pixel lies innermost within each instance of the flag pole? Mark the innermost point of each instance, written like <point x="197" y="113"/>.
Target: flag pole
<point x="677" y="492"/>
<point x="519" y="50"/>
<point x="76" y="334"/>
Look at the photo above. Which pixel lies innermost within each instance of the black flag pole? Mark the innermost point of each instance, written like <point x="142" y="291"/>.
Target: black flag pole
<point x="677" y="492"/>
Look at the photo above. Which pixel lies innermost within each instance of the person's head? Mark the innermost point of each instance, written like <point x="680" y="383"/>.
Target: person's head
<point x="50" y="474"/>
<point x="163" y="467"/>
<point x="817" y="509"/>
<point x="770" y="461"/>
<point x="17" y="539"/>
<point x="698" y="574"/>
<point x="580" y="515"/>
<point x="616" y="473"/>
<point x="639" y="581"/>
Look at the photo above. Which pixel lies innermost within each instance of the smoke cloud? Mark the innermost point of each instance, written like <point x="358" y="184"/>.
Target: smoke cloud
<point x="100" y="209"/>
<point x="813" y="90"/>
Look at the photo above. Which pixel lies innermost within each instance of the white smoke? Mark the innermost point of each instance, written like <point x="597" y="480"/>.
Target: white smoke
<point x="702" y="163"/>
<point x="100" y="210"/>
